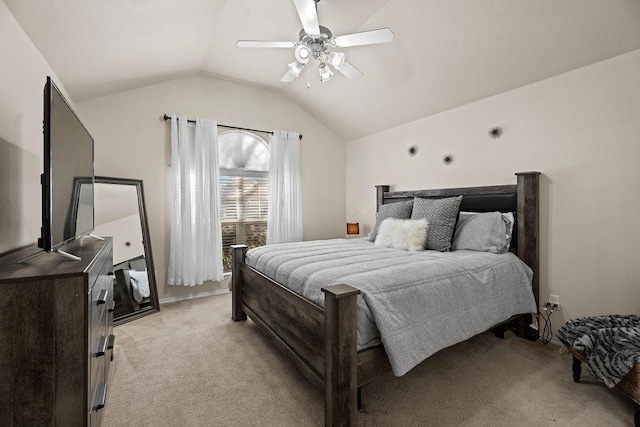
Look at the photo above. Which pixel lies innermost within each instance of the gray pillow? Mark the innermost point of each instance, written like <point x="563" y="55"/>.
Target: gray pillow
<point x="441" y="214"/>
<point x="485" y="232"/>
<point x="509" y="220"/>
<point x="400" y="210"/>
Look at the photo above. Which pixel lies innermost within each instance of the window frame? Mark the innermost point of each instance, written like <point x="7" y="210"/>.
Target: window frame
<point x="241" y="173"/>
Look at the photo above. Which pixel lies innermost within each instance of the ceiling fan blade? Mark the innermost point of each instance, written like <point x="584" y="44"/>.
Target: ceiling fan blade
<point x="255" y="43"/>
<point x="308" y="16"/>
<point x="288" y="78"/>
<point x="350" y="71"/>
<point x="381" y="35"/>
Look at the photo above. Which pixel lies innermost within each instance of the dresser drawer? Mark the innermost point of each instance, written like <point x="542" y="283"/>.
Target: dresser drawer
<point x="98" y="341"/>
<point x="100" y="301"/>
<point x="99" y="401"/>
<point x="109" y="325"/>
<point x="101" y="291"/>
<point x="96" y="269"/>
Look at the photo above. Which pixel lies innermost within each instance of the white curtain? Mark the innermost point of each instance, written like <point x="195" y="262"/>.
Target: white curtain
<point x="195" y="252"/>
<point x="285" y="192"/>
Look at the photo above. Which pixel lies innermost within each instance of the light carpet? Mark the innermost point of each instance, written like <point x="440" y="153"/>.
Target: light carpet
<point x="191" y="365"/>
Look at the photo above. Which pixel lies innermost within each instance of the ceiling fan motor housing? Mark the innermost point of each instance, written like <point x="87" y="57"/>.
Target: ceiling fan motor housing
<point x="324" y="33"/>
<point x="318" y="45"/>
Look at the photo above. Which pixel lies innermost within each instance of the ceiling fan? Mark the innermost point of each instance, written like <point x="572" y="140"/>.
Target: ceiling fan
<point x="317" y="42"/>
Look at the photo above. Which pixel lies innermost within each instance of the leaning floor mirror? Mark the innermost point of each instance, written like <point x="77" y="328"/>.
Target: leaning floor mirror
<point x="120" y="213"/>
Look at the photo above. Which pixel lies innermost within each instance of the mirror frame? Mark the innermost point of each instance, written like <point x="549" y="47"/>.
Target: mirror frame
<point x="146" y="243"/>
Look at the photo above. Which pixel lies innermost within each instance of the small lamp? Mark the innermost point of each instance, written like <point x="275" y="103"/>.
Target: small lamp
<point x="353" y="229"/>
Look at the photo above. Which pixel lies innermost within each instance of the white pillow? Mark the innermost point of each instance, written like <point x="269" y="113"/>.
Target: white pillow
<point x="139" y="284"/>
<point x="405" y="234"/>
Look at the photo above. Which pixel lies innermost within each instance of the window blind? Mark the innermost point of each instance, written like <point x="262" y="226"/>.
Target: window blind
<point x="244" y="199"/>
<point x="244" y="209"/>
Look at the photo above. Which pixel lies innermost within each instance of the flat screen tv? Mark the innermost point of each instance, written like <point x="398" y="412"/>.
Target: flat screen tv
<point x="68" y="177"/>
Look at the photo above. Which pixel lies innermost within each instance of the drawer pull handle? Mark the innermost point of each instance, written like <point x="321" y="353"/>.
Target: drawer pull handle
<point x="102" y="298"/>
<point x="101" y="397"/>
<point x="112" y="306"/>
<point x="102" y="346"/>
<point x="111" y="342"/>
<point x="110" y="273"/>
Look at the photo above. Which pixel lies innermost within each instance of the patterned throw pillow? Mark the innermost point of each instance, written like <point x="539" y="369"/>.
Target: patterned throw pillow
<point x="400" y="210"/>
<point x="441" y="215"/>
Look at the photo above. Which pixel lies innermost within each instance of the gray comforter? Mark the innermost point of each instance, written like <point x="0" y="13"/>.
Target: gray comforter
<point x="416" y="303"/>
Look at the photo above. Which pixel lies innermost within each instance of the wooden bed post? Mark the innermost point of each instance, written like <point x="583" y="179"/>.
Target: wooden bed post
<point x="380" y="190"/>
<point x="528" y="213"/>
<point x="341" y="363"/>
<point x="238" y="253"/>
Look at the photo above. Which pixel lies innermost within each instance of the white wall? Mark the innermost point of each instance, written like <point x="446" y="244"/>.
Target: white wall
<point x="581" y="130"/>
<point x="23" y="73"/>
<point x="132" y="142"/>
<point x="127" y="237"/>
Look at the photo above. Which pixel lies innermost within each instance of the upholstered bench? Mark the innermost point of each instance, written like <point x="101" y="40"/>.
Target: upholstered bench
<point x="612" y="342"/>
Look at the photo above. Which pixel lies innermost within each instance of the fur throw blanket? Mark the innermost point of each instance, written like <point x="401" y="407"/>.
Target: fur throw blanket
<point x="611" y="344"/>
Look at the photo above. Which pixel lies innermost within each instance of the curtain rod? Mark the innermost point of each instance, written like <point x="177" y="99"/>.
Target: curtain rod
<point x="165" y="117"/>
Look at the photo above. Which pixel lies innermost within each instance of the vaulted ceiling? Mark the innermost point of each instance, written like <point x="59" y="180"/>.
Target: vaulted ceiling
<point x="445" y="53"/>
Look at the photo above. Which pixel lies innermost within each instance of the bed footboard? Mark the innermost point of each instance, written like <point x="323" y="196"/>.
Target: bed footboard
<point x="321" y="342"/>
<point x="340" y="355"/>
<point x="238" y="253"/>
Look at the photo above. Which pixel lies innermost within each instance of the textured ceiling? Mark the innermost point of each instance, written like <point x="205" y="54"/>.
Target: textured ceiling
<point x="445" y="53"/>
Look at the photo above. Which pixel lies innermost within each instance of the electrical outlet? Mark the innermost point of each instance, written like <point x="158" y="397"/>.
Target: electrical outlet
<point x="554" y="299"/>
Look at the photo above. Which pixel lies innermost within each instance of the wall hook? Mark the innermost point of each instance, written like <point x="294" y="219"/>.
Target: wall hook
<point x="495" y="132"/>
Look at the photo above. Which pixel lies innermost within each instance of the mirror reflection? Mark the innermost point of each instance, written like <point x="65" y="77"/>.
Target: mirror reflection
<point x="120" y="213"/>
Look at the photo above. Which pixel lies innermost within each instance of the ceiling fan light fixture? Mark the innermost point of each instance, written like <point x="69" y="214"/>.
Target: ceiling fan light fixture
<point x="296" y="68"/>
<point x="316" y="42"/>
<point x="325" y="73"/>
<point x="303" y="54"/>
<point x="336" y="59"/>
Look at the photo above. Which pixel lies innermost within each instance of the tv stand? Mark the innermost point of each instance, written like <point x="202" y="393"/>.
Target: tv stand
<point x="92" y="235"/>
<point x="61" y="252"/>
<point x="68" y="255"/>
<point x="58" y="251"/>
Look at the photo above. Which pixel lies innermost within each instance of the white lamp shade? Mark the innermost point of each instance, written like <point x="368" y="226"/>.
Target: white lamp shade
<point x="303" y="54"/>
<point x="325" y="73"/>
<point x="336" y="59"/>
<point x="296" y="68"/>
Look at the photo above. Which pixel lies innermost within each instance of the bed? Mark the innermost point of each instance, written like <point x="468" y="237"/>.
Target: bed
<point x="322" y="341"/>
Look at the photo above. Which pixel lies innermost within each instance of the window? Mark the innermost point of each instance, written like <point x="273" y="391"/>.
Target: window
<point x="244" y="191"/>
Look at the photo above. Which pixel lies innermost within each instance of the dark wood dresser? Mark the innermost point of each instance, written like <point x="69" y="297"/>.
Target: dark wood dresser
<point x="56" y="335"/>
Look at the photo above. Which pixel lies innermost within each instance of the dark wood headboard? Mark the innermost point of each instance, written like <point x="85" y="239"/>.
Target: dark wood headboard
<point x="521" y="198"/>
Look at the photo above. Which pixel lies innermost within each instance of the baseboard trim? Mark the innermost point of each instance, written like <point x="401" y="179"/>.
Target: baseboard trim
<point x="188" y="297"/>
